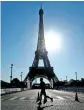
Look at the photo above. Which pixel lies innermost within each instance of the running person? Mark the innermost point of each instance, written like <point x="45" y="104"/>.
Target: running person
<point x="43" y="92"/>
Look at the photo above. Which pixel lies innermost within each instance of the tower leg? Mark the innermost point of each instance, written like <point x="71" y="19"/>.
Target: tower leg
<point x="28" y="84"/>
<point x="51" y="82"/>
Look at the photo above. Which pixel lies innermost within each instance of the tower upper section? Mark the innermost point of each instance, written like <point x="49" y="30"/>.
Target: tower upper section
<point x="41" y="40"/>
<point x="41" y="11"/>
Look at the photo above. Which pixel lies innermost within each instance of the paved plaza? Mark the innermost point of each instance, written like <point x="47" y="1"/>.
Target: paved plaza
<point x="26" y="100"/>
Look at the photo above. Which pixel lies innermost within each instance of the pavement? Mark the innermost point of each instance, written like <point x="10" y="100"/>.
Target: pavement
<point x="26" y="100"/>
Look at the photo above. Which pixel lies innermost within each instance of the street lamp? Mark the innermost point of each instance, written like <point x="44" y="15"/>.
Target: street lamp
<point x="76" y="77"/>
<point x="21" y="76"/>
<point x="11" y="72"/>
<point x="66" y="78"/>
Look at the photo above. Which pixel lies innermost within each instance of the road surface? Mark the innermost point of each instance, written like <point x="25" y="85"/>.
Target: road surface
<point x="26" y="100"/>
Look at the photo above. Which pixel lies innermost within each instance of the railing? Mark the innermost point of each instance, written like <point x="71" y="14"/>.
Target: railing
<point x="11" y="90"/>
<point x="72" y="89"/>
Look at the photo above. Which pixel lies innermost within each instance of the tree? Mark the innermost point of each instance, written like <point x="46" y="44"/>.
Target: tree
<point x="15" y="82"/>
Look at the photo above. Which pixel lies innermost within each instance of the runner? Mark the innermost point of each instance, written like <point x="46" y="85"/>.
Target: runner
<point x="43" y="92"/>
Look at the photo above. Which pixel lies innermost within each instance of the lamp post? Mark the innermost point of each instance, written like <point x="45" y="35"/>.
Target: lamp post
<point x="11" y="73"/>
<point x="21" y="76"/>
<point x="76" y="77"/>
<point x="76" y="80"/>
<point x="66" y="78"/>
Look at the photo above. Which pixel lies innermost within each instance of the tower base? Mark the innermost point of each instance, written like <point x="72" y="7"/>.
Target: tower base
<point x="45" y="72"/>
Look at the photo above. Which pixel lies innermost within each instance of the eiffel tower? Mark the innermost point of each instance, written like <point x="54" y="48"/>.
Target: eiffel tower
<point x="41" y="54"/>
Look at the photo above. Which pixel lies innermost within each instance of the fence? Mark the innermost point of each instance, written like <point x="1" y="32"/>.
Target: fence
<point x="11" y="90"/>
<point x="72" y="89"/>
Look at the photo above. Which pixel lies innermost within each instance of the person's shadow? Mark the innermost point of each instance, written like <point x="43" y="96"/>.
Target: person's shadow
<point x="41" y="108"/>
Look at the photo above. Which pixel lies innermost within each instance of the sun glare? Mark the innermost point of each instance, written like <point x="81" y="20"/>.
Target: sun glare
<point x="52" y="41"/>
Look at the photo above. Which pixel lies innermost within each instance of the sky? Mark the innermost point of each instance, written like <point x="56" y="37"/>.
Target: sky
<point x="19" y="34"/>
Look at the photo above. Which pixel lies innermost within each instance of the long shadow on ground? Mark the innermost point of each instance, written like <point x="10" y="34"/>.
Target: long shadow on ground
<point x="41" y="108"/>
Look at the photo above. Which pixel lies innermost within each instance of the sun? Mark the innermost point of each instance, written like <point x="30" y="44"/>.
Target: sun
<point x="52" y="41"/>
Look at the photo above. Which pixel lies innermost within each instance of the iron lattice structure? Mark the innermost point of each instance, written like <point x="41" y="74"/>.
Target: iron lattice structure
<point x="41" y="54"/>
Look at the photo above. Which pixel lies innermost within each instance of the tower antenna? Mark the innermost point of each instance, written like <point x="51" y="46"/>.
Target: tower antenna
<point x="41" y="5"/>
